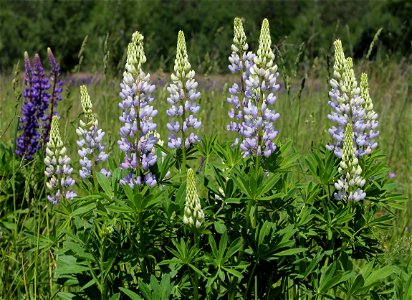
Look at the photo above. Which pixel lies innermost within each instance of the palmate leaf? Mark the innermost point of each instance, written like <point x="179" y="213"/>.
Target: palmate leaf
<point x="322" y="165"/>
<point x="255" y="185"/>
<point x="130" y="293"/>
<point x="68" y="264"/>
<point x="282" y="159"/>
<point x="105" y="184"/>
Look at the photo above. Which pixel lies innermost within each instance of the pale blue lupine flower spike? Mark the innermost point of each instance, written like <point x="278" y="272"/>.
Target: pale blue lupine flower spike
<point x="350" y="104"/>
<point x="257" y="130"/>
<point x="58" y="167"/>
<point x="241" y="60"/>
<point x="137" y="132"/>
<point x="183" y="98"/>
<point x="91" y="148"/>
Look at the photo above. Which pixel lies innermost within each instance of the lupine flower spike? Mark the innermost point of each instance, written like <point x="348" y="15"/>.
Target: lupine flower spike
<point x="182" y="97"/>
<point x="349" y="186"/>
<point x="350" y="104"/>
<point x="137" y="133"/>
<point x="58" y="167"/>
<point x="55" y="93"/>
<point x="90" y="139"/>
<point x="371" y="117"/>
<point x="257" y="128"/>
<point x="35" y="104"/>
<point x="241" y="61"/>
<point x="193" y="215"/>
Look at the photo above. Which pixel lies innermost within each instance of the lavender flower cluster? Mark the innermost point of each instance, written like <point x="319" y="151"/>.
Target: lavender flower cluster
<point x="90" y="140"/>
<point x="137" y="133"/>
<point x="254" y="97"/>
<point x="350" y="104"/>
<point x="37" y="99"/>
<point x="58" y="167"/>
<point x="182" y="97"/>
<point x="241" y="61"/>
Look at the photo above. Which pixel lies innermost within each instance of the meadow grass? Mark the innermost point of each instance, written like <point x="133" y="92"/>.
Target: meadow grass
<point x="303" y="120"/>
<point x="303" y="111"/>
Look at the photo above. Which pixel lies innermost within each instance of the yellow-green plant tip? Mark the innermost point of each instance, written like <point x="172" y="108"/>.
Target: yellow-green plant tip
<point x="340" y="60"/>
<point x="265" y="40"/>
<point x="364" y="86"/>
<point x="26" y="55"/>
<point x="55" y="139"/>
<point x="85" y="101"/>
<point x="350" y="80"/>
<point x="239" y="38"/>
<point x="135" y="53"/>
<point x="265" y="55"/>
<point x="182" y="65"/>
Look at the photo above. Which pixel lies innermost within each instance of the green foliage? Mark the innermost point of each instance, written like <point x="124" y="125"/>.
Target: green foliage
<point x="63" y="26"/>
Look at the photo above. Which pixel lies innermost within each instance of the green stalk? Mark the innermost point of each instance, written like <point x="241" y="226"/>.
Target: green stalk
<point x="183" y="167"/>
<point x="250" y="281"/>
<point x="103" y="287"/>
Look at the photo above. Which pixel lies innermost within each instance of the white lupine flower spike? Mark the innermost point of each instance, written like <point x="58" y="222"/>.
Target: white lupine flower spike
<point x="58" y="167"/>
<point x="349" y="186"/>
<point x="91" y="148"/>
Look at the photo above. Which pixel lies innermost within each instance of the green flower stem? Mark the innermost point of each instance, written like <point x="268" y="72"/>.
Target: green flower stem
<point x="102" y="286"/>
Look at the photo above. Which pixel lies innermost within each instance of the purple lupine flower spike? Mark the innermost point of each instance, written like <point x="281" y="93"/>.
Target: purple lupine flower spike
<point x="34" y="107"/>
<point x="257" y="129"/>
<point x="58" y="167"/>
<point x="137" y="133"/>
<point x="183" y="96"/>
<point x="241" y="60"/>
<point x="90" y="140"/>
<point x="55" y="93"/>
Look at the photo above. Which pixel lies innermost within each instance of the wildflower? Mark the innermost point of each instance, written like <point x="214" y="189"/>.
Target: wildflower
<point x="55" y="93"/>
<point x="182" y="97"/>
<point x="350" y="104"/>
<point x="90" y="139"/>
<point x="371" y="119"/>
<point x="350" y="183"/>
<point x="257" y="128"/>
<point x="392" y="175"/>
<point x="35" y="103"/>
<point x="137" y="138"/>
<point x="193" y="214"/>
<point x="240" y="62"/>
<point x="58" y="167"/>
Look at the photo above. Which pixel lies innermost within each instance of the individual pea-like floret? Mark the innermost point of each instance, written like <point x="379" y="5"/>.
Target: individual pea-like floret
<point x="58" y="167"/>
<point x="193" y="213"/>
